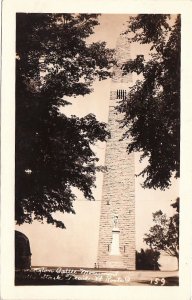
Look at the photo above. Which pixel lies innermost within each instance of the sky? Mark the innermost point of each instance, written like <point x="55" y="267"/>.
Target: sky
<point x="77" y="245"/>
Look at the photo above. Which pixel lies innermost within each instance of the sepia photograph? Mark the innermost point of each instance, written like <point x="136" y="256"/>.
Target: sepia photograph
<point x="97" y="139"/>
<point x="84" y="92"/>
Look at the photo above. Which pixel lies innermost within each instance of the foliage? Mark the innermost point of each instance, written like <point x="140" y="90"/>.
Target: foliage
<point x="147" y="259"/>
<point x="152" y="109"/>
<point x="164" y="235"/>
<point x="54" y="152"/>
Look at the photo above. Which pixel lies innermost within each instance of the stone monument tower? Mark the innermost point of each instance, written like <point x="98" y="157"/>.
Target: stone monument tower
<point x="116" y="247"/>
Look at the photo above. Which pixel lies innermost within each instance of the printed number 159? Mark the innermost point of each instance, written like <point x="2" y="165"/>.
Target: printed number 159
<point x="157" y="281"/>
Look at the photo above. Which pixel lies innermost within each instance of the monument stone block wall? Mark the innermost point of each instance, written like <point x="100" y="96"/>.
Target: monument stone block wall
<point x="117" y="217"/>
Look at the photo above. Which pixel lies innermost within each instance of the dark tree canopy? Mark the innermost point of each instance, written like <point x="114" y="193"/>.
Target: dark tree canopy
<point x="147" y="259"/>
<point x="54" y="152"/>
<point x="152" y="109"/>
<point x="164" y="235"/>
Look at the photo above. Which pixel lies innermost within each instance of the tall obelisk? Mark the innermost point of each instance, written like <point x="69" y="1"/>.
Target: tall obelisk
<point x="116" y="247"/>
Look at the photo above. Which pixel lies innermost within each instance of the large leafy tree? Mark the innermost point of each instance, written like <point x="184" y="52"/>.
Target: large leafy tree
<point x="152" y="108"/>
<point x="164" y="235"/>
<point x="54" y="152"/>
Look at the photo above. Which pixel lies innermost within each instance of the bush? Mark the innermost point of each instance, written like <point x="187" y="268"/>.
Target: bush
<point x="147" y="260"/>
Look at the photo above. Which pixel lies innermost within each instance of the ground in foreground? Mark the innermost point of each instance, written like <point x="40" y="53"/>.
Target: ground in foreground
<point x="80" y="276"/>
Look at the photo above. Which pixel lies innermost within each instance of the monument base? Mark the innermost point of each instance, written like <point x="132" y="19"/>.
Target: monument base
<point x="115" y="262"/>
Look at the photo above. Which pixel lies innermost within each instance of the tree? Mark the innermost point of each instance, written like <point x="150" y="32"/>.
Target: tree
<point x="147" y="259"/>
<point x="54" y="152"/>
<point x="152" y="108"/>
<point x="164" y="235"/>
